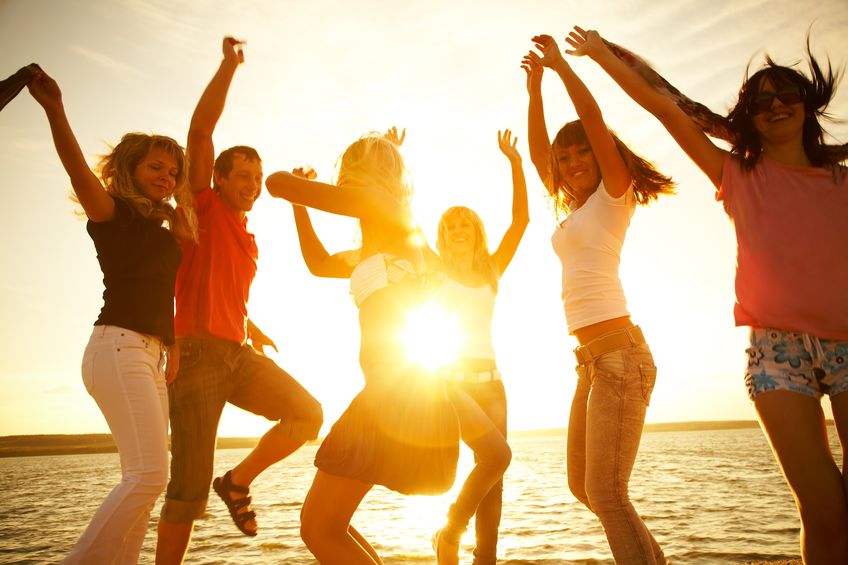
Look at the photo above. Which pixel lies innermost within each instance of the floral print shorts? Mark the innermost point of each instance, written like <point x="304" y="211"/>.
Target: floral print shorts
<point x="800" y="362"/>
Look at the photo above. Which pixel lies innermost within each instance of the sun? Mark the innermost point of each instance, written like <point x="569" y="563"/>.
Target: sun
<point x="432" y="336"/>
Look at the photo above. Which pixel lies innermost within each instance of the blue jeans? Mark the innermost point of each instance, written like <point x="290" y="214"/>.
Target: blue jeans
<point x="213" y="372"/>
<point x="491" y="398"/>
<point x="604" y="430"/>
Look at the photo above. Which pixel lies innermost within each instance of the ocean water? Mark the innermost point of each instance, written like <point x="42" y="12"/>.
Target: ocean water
<point x="708" y="496"/>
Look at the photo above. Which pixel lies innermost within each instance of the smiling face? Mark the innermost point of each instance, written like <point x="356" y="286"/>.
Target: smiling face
<point x="459" y="234"/>
<point x="578" y="168"/>
<point x="156" y="174"/>
<point x="240" y="188"/>
<point x="777" y="111"/>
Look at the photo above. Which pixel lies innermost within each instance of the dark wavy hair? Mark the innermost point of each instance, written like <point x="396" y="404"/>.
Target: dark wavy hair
<point x="648" y="182"/>
<point x="816" y="92"/>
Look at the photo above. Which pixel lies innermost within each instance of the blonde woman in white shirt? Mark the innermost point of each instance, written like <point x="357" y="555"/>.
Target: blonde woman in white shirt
<point x="596" y="181"/>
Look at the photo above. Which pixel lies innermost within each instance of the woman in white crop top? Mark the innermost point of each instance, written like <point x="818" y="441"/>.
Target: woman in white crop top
<point x="468" y="291"/>
<point x="597" y="181"/>
<point x="786" y="191"/>
<point x="402" y="430"/>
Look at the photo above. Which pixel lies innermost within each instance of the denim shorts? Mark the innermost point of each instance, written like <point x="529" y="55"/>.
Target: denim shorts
<point x="213" y="372"/>
<point x="800" y="362"/>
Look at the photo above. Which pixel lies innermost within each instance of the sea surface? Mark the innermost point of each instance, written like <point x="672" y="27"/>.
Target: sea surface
<point x="708" y="496"/>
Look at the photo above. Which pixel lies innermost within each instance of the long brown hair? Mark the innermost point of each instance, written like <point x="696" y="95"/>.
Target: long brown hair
<point x="648" y="182"/>
<point x="816" y="92"/>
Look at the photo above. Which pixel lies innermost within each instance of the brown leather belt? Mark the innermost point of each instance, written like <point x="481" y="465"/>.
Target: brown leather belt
<point x="619" y="339"/>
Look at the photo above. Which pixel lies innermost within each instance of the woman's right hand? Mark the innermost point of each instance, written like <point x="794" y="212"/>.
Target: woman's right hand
<point x="551" y="54"/>
<point x="507" y="144"/>
<point x="45" y="90"/>
<point x="233" y="53"/>
<point x="532" y="65"/>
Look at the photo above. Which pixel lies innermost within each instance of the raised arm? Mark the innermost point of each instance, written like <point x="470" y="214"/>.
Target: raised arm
<point x="319" y="262"/>
<point x="357" y="202"/>
<point x="613" y="168"/>
<point x="537" y="131"/>
<point x="200" y="149"/>
<point x="98" y="205"/>
<point x="520" y="215"/>
<point x="688" y="135"/>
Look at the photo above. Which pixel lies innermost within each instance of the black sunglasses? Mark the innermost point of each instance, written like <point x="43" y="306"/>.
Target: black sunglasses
<point x="762" y="102"/>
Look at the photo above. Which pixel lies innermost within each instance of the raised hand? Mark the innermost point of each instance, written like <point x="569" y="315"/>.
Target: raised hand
<point x="584" y="42"/>
<point x="232" y="49"/>
<point x="392" y="135"/>
<point x="507" y="145"/>
<point x="45" y="90"/>
<point x="532" y="65"/>
<point x="550" y="50"/>
<point x="306" y="172"/>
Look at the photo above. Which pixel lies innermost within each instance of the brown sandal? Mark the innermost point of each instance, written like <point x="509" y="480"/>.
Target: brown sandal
<point x="224" y="487"/>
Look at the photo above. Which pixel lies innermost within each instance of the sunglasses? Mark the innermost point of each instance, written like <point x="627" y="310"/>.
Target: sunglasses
<point x="762" y="102"/>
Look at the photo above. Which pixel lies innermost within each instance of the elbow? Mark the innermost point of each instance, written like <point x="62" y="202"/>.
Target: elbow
<point x="276" y="185"/>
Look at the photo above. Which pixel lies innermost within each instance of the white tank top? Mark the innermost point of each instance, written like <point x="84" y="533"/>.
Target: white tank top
<point x="588" y="243"/>
<point x="474" y="309"/>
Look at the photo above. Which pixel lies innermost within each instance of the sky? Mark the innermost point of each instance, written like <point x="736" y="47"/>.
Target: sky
<point x="316" y="76"/>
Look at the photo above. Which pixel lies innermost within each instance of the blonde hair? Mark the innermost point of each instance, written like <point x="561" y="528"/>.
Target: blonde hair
<point x="373" y="161"/>
<point x="482" y="261"/>
<point x="117" y="170"/>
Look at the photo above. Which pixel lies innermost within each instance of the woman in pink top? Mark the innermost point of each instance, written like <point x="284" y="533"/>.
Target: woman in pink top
<point x="786" y="192"/>
<point x="597" y="181"/>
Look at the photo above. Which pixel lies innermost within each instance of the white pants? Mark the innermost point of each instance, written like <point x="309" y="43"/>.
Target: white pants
<point x="124" y="373"/>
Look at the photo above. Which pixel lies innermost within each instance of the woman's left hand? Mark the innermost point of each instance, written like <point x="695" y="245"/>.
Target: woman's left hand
<point x="584" y="42"/>
<point x="392" y="135"/>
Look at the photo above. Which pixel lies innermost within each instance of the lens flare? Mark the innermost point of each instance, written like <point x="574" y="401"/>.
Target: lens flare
<point x="432" y="336"/>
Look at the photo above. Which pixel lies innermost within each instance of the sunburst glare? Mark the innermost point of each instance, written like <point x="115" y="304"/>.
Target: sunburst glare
<point x="432" y="336"/>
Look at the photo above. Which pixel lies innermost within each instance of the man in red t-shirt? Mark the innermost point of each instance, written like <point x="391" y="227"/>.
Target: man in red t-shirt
<point x="216" y="364"/>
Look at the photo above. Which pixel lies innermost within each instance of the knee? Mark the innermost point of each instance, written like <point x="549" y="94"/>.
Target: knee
<point x="151" y="481"/>
<point x="827" y="517"/>
<point x="313" y="529"/>
<point x="312" y="420"/>
<point x="578" y="489"/>
<point x="500" y="458"/>
<point x="604" y="496"/>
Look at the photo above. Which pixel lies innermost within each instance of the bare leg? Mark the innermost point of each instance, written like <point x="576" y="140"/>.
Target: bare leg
<point x="172" y="541"/>
<point x="360" y="539"/>
<point x="325" y="521"/>
<point x="795" y="427"/>
<point x="839" y="404"/>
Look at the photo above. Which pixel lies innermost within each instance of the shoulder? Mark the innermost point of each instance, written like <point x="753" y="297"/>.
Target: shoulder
<point x="628" y="198"/>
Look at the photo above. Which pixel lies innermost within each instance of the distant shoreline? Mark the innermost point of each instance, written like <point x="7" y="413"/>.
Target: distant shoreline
<point x="80" y="444"/>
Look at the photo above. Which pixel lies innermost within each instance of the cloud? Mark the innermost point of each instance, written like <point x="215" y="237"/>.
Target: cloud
<point x="105" y="60"/>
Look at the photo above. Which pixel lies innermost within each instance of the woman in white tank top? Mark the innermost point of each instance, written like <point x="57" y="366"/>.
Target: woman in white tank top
<point x="468" y="291"/>
<point x="596" y="181"/>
